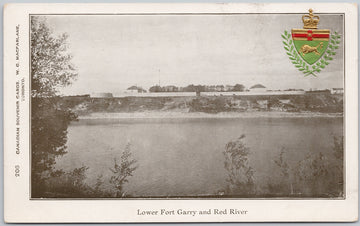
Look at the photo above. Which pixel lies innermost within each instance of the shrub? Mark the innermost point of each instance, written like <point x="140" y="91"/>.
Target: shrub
<point x="338" y="168"/>
<point x="281" y="185"/>
<point x="240" y="174"/>
<point x="67" y="184"/>
<point x="312" y="175"/>
<point x="317" y="175"/>
<point x="122" y="171"/>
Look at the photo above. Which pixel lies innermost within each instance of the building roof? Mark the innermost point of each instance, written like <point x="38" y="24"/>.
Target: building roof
<point x="257" y="86"/>
<point x="133" y="88"/>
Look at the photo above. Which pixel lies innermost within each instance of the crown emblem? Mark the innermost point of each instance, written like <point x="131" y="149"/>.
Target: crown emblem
<point x="310" y="49"/>
<point x="310" y="21"/>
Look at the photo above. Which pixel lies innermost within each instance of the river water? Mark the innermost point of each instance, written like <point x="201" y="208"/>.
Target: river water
<point x="183" y="157"/>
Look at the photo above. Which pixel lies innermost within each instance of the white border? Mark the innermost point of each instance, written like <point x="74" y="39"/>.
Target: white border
<point x="18" y="207"/>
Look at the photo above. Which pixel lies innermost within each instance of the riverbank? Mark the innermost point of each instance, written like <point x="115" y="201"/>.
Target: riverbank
<point x="217" y="106"/>
<point x="255" y="114"/>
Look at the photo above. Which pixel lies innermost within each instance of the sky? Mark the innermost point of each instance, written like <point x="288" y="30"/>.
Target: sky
<point x="114" y="52"/>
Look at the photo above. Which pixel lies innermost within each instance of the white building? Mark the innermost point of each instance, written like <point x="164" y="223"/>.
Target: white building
<point x="337" y="91"/>
<point x="101" y="95"/>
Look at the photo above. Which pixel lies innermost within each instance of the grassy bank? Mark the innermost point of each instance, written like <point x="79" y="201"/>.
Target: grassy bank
<point x="313" y="103"/>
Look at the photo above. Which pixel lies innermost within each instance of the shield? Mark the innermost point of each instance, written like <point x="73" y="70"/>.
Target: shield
<point x="311" y="44"/>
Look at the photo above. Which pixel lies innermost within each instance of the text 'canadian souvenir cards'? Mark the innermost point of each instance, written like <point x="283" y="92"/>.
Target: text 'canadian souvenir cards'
<point x="180" y="112"/>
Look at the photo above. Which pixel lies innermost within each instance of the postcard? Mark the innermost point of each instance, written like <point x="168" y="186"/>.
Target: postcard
<point x="180" y="112"/>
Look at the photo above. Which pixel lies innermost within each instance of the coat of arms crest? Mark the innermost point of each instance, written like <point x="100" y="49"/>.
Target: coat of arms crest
<point x="310" y="49"/>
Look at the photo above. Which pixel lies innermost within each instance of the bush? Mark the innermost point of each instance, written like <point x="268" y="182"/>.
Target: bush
<point x="281" y="185"/>
<point x="60" y="184"/>
<point x="317" y="175"/>
<point x="67" y="184"/>
<point x="240" y="174"/>
<point x="122" y="171"/>
<point x="312" y="175"/>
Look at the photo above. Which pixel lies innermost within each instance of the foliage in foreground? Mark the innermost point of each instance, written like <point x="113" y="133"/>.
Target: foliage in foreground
<point x="122" y="171"/>
<point x="317" y="175"/>
<point x="73" y="184"/>
<point x="51" y="69"/>
<point x="240" y="174"/>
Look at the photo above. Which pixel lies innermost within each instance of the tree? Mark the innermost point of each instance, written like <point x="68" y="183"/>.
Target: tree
<point x="239" y="88"/>
<point x="51" y="69"/>
<point x="122" y="171"/>
<point x="190" y="88"/>
<point x="51" y="66"/>
<point x="281" y="183"/>
<point x="240" y="173"/>
<point x="155" y="89"/>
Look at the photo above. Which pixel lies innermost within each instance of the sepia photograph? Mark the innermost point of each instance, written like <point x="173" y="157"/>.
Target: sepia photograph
<point x="187" y="106"/>
<point x="155" y="113"/>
